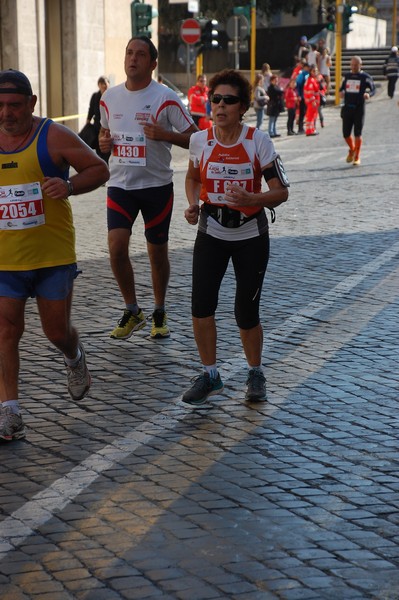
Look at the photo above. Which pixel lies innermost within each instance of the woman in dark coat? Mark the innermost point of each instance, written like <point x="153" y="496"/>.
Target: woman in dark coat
<point x="275" y="105"/>
<point x="94" y="113"/>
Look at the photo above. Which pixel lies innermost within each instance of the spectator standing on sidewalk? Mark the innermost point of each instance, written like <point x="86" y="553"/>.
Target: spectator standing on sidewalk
<point x="391" y="70"/>
<point x="300" y="82"/>
<point x="275" y="105"/>
<point x="325" y="67"/>
<point x="291" y="104"/>
<point x="198" y="99"/>
<point x="323" y="97"/>
<point x="298" y="68"/>
<point x="267" y="73"/>
<point x="311" y="91"/>
<point x="140" y="120"/>
<point x="225" y="173"/>
<point x="321" y="45"/>
<point x="260" y="99"/>
<point x="302" y="49"/>
<point x="37" y="238"/>
<point x="313" y="56"/>
<point x="94" y="113"/>
<point x="357" y="86"/>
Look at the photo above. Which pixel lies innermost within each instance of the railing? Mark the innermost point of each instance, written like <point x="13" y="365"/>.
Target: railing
<point x="69" y="117"/>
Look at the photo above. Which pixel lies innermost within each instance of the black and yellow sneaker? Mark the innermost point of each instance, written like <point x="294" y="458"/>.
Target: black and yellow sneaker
<point x="128" y="324"/>
<point x="159" y="329"/>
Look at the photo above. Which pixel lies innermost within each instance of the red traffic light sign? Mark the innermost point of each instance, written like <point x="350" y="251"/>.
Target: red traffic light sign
<point x="190" y="31"/>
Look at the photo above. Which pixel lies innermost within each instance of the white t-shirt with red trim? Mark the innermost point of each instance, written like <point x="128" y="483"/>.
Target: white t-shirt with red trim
<point x="137" y="162"/>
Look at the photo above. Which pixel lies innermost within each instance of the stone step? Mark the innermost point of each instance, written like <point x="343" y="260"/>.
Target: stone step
<point x="373" y="61"/>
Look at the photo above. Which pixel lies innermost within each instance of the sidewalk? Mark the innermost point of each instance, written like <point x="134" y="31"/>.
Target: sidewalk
<point x="130" y="494"/>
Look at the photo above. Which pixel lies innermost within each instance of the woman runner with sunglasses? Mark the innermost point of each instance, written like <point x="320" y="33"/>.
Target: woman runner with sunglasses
<point x="225" y="172"/>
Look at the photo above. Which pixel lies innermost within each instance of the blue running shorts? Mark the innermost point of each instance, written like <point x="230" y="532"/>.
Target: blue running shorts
<point x="52" y="283"/>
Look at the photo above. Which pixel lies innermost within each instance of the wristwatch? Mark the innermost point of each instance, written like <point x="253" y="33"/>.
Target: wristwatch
<point x="70" y="187"/>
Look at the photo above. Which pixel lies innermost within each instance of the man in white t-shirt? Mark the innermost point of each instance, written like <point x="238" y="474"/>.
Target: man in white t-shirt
<point x="140" y="120"/>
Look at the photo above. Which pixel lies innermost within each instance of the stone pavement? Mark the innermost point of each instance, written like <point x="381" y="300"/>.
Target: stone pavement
<point x="129" y="494"/>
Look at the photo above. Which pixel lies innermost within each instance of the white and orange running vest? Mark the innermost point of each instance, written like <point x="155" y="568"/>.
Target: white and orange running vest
<point x="240" y="163"/>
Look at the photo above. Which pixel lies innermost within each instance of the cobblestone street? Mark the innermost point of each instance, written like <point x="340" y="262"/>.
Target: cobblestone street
<point x="130" y="494"/>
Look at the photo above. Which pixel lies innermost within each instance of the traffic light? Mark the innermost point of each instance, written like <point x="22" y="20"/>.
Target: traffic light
<point x="141" y="15"/>
<point x="347" y="18"/>
<point x="331" y="17"/>
<point x="210" y="35"/>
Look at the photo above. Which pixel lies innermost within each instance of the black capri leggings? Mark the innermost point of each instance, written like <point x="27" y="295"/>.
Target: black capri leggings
<point x="210" y="261"/>
<point x="352" y="116"/>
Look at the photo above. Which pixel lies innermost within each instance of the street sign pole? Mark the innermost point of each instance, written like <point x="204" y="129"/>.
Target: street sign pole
<point x="253" y="39"/>
<point x="338" y="49"/>
<point x="190" y="33"/>
<point x="236" y="43"/>
<point x="237" y="29"/>
<point x="188" y="66"/>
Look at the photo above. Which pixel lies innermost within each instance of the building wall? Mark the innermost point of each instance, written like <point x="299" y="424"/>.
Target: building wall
<point x="64" y="46"/>
<point x="21" y="41"/>
<point x="367" y="33"/>
<point x="385" y="11"/>
<point x="118" y="31"/>
<point x="90" y="51"/>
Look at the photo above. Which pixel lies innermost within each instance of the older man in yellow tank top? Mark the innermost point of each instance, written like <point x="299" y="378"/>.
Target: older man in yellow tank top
<point x="37" y="239"/>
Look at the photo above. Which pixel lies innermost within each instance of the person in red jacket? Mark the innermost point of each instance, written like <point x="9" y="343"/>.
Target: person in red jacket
<point x="198" y="100"/>
<point x="291" y="98"/>
<point x="323" y="96"/>
<point x="312" y="100"/>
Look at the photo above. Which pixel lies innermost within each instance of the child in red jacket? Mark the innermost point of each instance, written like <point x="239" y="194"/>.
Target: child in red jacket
<point x="291" y="103"/>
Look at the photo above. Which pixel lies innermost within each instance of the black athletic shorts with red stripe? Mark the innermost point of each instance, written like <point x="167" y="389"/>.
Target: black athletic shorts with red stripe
<point x="155" y="205"/>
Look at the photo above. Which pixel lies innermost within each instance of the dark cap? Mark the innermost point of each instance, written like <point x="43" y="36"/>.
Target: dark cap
<point x="19" y="81"/>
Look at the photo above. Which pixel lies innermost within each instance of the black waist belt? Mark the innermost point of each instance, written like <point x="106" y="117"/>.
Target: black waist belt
<point x="228" y="217"/>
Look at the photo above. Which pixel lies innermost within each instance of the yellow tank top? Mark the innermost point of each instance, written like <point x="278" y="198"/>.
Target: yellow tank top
<point x="35" y="230"/>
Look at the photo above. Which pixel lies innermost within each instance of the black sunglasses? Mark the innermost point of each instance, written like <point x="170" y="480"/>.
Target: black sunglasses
<point x="217" y="98"/>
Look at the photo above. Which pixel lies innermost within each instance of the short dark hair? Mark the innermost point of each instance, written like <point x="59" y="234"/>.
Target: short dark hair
<point x="150" y="44"/>
<point x="103" y="80"/>
<point x="237" y="81"/>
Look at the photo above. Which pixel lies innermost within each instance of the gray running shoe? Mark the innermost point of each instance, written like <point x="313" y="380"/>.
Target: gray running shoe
<point x="11" y="425"/>
<point x="203" y="386"/>
<point x="79" y="379"/>
<point x="256" y="390"/>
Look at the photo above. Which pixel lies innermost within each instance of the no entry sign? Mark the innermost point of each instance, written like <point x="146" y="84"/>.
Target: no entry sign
<point x="190" y="31"/>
